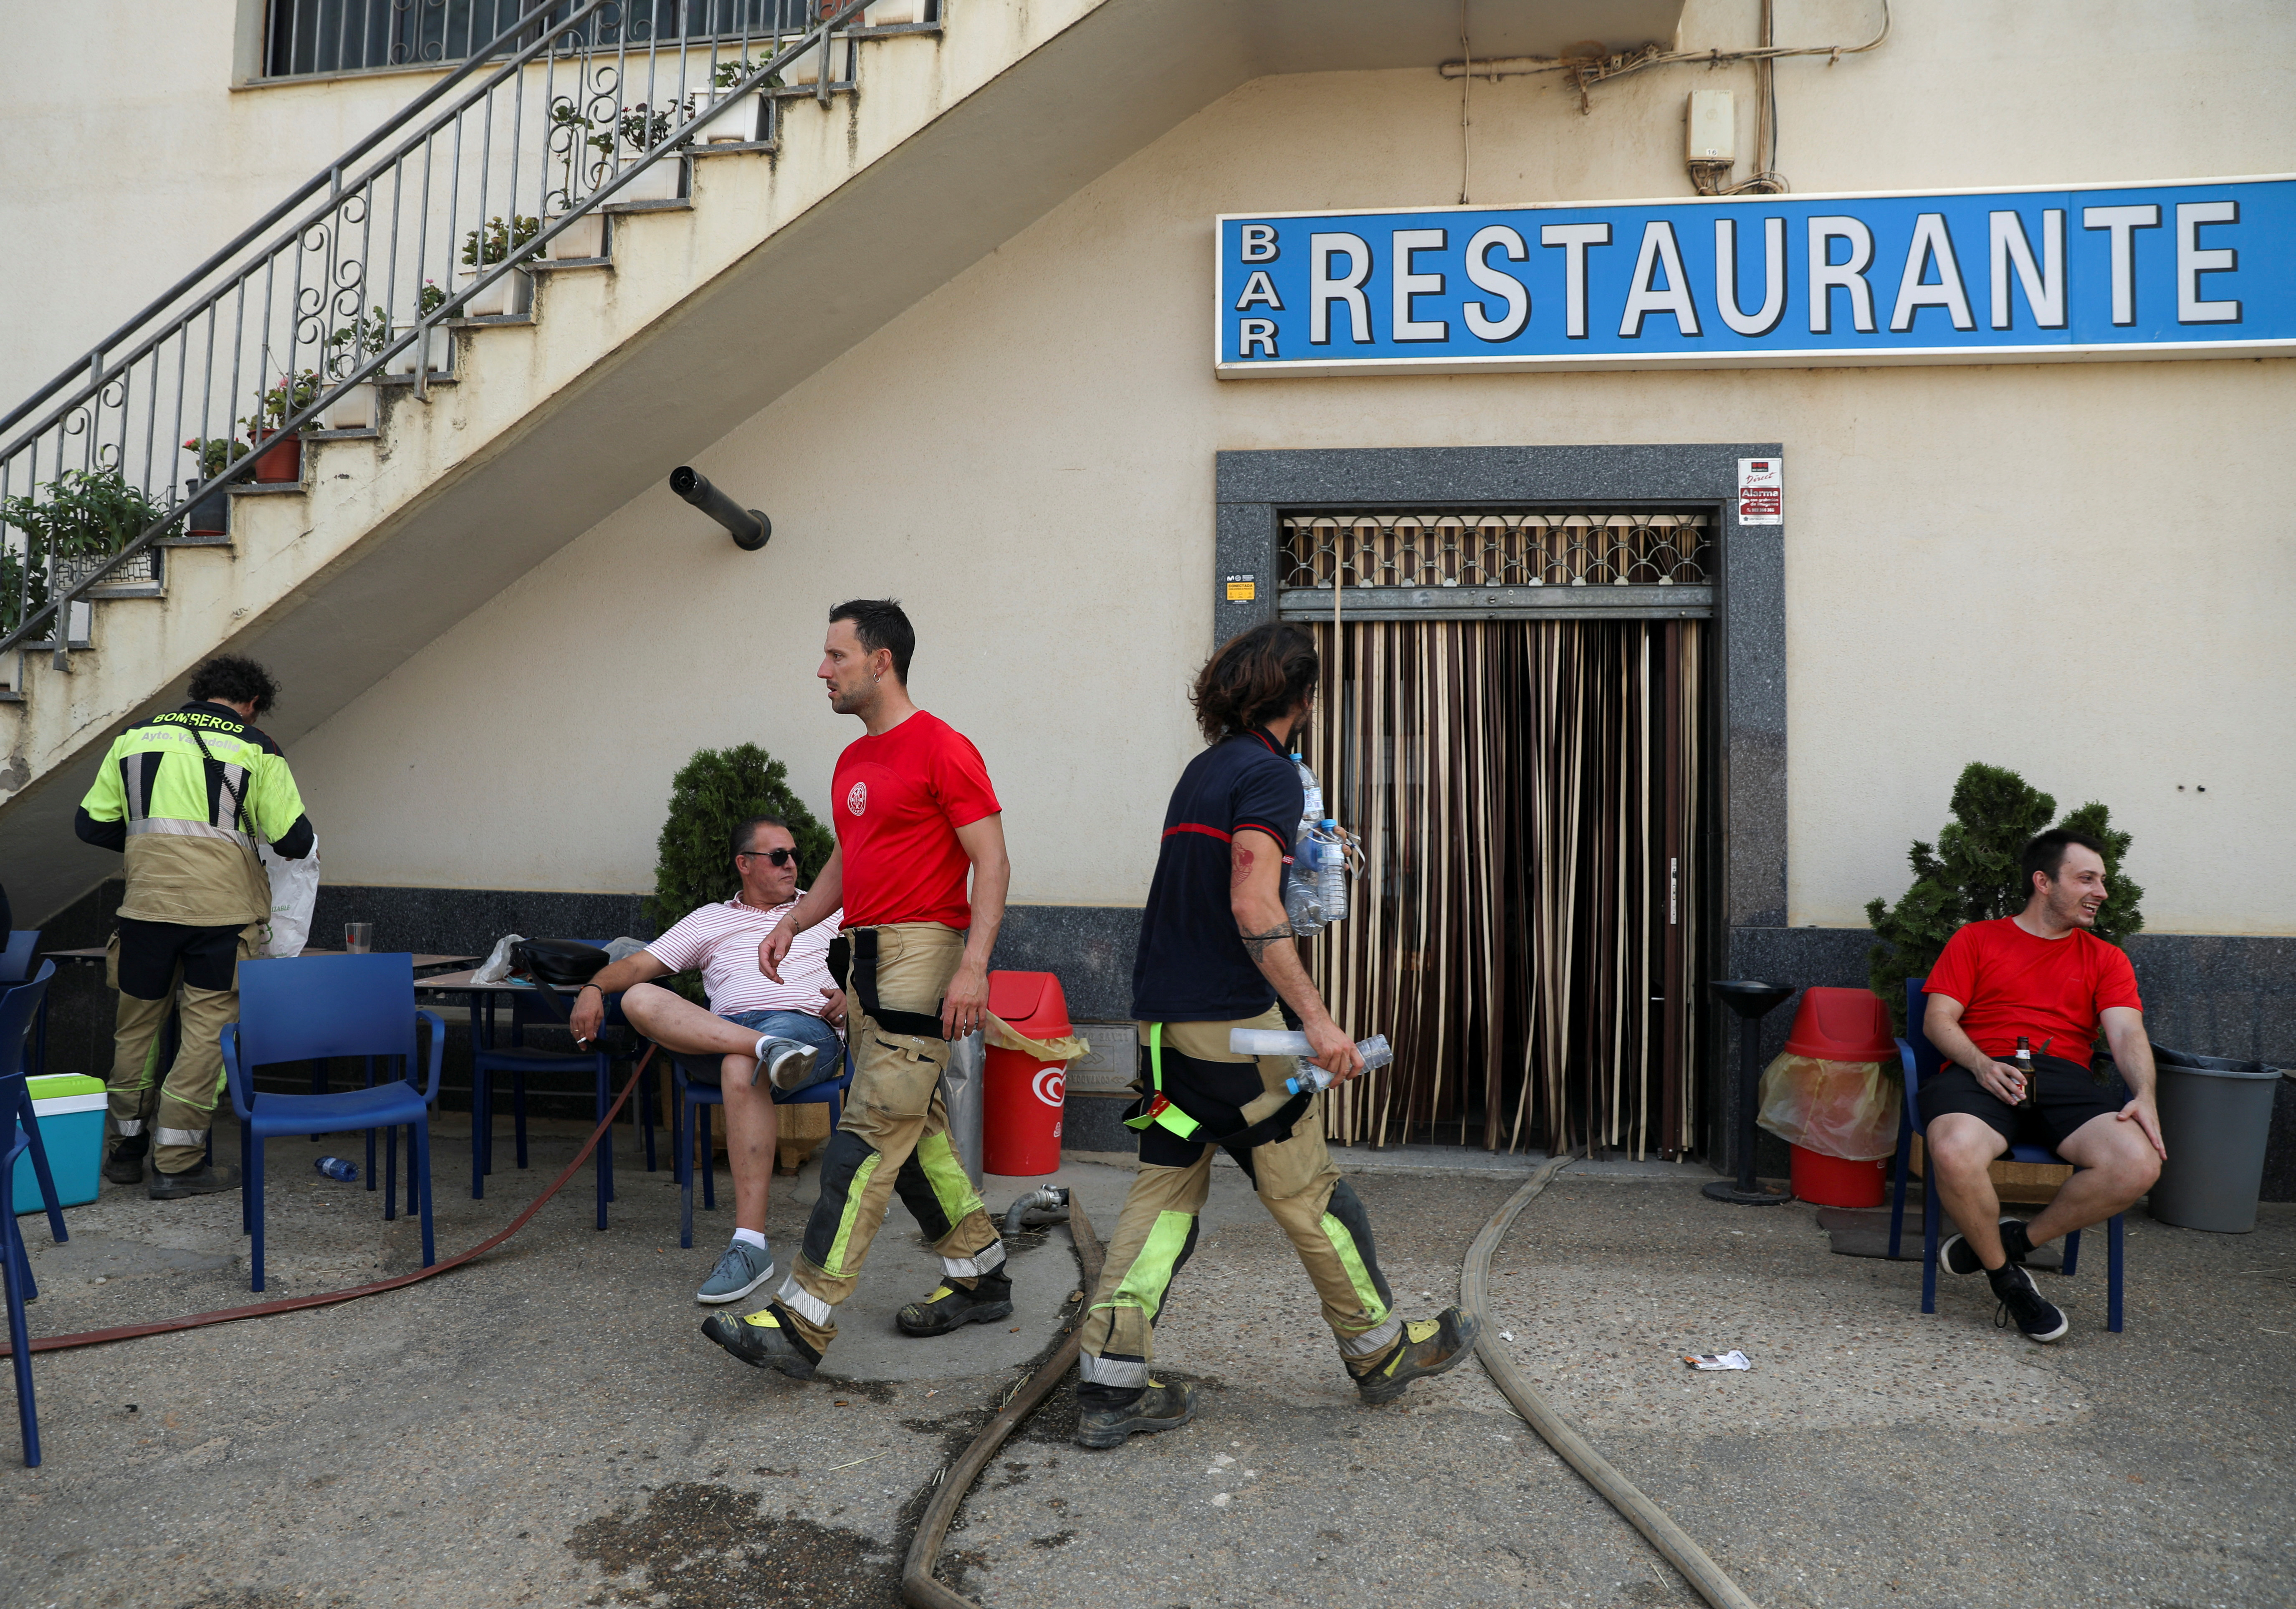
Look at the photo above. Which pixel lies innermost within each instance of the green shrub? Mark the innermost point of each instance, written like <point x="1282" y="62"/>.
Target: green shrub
<point x="1969" y="874"/>
<point x="713" y="793"/>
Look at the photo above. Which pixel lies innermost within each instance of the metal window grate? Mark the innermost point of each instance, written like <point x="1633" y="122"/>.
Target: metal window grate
<point x="1494" y="547"/>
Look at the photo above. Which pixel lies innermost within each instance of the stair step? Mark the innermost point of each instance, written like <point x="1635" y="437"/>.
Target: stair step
<point x="202" y="538"/>
<point x="269" y="488"/>
<point x="551" y="264"/>
<point x="489" y="319"/>
<point x="683" y="203"/>
<point x="737" y="147"/>
<point x="369" y="434"/>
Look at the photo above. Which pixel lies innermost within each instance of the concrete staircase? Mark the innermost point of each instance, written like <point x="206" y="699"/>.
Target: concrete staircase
<point x="778" y="257"/>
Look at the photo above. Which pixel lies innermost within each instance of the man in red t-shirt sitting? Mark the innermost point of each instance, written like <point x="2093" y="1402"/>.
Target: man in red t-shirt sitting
<point x="915" y="815"/>
<point x="2042" y="974"/>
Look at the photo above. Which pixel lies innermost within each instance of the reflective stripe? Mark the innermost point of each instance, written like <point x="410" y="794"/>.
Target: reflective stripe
<point x="180" y="1137"/>
<point x="168" y="827"/>
<point x="1145" y="1283"/>
<point x="952" y="1187"/>
<point x="1351" y="1260"/>
<point x="1371" y="1342"/>
<point x="969" y="1268"/>
<point x="834" y="1265"/>
<point x="806" y="1304"/>
<point x="129" y="1126"/>
<point x="1121" y="1372"/>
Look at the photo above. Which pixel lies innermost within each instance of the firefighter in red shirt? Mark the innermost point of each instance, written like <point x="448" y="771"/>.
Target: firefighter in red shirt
<point x="915" y="815"/>
<point x="2043" y="975"/>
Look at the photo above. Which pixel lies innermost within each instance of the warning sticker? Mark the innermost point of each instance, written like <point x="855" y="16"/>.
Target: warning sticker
<point x="1761" y="491"/>
<point x="1242" y="590"/>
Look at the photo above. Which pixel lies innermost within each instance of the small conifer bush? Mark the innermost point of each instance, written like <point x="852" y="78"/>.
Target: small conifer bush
<point x="714" y="793"/>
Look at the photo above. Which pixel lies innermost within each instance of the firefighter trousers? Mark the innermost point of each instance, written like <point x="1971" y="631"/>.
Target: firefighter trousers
<point x="894" y="1138"/>
<point x="158" y="967"/>
<point x="1295" y="1178"/>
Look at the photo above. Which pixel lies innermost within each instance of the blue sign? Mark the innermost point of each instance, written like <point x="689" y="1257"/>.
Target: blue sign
<point x="2193" y="268"/>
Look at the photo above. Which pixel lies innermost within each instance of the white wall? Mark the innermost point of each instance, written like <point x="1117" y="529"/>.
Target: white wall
<point x="2078" y="571"/>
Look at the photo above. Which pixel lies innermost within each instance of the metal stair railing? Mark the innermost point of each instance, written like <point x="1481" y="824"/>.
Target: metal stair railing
<point x="559" y="115"/>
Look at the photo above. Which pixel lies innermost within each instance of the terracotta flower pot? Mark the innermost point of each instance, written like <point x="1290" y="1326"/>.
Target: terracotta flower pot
<point x="279" y="461"/>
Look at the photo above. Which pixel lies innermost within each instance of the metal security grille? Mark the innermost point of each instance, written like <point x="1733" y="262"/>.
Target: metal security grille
<point x="1495" y="547"/>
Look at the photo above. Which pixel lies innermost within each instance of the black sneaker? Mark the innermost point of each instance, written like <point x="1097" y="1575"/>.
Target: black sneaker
<point x="762" y="1340"/>
<point x="1427" y="1346"/>
<point x="124" y="1166"/>
<point x="1956" y="1257"/>
<point x="2037" y="1318"/>
<point x="209" y="1178"/>
<point x="952" y="1307"/>
<point x="1159" y="1406"/>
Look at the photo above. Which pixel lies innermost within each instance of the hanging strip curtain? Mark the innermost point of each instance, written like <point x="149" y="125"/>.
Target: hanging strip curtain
<point x="1525" y="929"/>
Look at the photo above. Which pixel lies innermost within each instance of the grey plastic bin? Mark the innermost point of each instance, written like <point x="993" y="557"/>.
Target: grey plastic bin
<point x="2216" y="1114"/>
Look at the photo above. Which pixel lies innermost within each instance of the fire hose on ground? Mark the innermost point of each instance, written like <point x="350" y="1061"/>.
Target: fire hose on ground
<point x="918" y="1586"/>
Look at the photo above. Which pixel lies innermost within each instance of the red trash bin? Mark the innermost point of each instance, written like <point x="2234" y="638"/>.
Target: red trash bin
<point x="1020" y="1095"/>
<point x="1841" y="1025"/>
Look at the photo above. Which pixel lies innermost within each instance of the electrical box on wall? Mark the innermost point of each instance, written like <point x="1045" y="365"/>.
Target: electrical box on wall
<point x="1713" y="126"/>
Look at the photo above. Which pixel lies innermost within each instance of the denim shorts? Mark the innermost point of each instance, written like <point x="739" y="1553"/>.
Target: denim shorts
<point x="805" y="1028"/>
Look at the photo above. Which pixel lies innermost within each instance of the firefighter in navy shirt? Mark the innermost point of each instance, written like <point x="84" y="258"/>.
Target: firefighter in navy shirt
<point x="1217" y="952"/>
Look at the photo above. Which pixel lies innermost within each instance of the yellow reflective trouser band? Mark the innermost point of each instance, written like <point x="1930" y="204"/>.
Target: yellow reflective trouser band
<point x="1350" y="1258"/>
<point x="1151" y="1274"/>
<point x="835" y="1265"/>
<point x="1162" y="1111"/>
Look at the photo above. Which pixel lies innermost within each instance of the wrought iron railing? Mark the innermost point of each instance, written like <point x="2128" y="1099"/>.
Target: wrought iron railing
<point x="355" y="278"/>
<point x="1490" y="547"/>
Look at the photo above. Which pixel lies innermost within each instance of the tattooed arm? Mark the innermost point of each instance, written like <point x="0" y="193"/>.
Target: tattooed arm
<point x="1256" y="896"/>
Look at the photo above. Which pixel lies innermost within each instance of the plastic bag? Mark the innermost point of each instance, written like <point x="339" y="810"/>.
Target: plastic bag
<point x="1844" y="1109"/>
<point x="495" y="967"/>
<point x="1001" y="1034"/>
<point x="294" y="890"/>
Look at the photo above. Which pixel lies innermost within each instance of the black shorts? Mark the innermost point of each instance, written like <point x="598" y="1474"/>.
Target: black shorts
<point x="2069" y="1098"/>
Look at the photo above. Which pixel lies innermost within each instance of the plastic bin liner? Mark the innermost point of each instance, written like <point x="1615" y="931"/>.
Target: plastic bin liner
<point x="1844" y="1109"/>
<point x="1002" y="1034"/>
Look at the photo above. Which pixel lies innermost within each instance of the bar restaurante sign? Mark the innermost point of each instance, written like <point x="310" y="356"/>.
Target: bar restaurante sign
<point x="2190" y="268"/>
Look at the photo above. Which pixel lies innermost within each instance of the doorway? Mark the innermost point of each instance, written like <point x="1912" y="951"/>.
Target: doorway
<point x="1529" y="770"/>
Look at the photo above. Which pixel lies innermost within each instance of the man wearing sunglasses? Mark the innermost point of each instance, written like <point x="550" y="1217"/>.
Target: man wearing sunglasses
<point x="761" y="1040"/>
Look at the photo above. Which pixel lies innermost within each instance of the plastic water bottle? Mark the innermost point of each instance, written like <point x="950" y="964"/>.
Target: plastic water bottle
<point x="1376" y="1052"/>
<point x="335" y="1168"/>
<point x="1332" y="875"/>
<point x="1314" y="809"/>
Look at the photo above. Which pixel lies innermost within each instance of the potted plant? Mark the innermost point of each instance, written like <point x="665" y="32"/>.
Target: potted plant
<point x="87" y="517"/>
<point x="361" y="338"/>
<point x="740" y="126"/>
<point x="279" y="454"/>
<point x="482" y="249"/>
<point x="435" y="344"/>
<point x="639" y="129"/>
<point x="211" y="516"/>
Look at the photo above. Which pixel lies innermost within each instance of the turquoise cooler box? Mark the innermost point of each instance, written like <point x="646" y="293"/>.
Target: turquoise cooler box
<point x="70" y="1110"/>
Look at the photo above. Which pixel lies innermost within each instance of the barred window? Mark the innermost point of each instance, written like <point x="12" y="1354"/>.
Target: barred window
<point x="1494" y="547"/>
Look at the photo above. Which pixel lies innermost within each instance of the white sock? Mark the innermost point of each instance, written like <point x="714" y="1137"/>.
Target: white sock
<point x="751" y="1237"/>
<point x="758" y="1051"/>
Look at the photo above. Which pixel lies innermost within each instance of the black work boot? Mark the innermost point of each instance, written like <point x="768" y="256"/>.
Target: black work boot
<point x="209" y="1178"/>
<point x="1427" y="1346"/>
<point x="764" y="1340"/>
<point x="952" y="1306"/>
<point x="1158" y="1407"/>
<point x="125" y="1165"/>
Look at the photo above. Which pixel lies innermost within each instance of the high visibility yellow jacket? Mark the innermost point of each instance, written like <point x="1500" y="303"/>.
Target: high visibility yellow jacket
<point x="187" y="795"/>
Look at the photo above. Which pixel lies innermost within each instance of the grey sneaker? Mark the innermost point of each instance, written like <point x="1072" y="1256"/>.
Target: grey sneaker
<point x="786" y="1064"/>
<point x="741" y="1270"/>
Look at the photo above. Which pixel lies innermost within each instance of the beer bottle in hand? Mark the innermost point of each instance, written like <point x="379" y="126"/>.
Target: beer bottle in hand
<point x="2031" y="1099"/>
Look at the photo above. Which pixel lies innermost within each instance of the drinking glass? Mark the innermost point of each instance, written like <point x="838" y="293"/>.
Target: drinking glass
<point x="359" y="938"/>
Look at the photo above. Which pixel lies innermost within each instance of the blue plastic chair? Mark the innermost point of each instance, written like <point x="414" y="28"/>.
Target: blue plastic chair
<point x="16" y="1277"/>
<point x="21" y="1134"/>
<point x="695" y="1097"/>
<point x="299" y="1009"/>
<point x="16" y="965"/>
<point x="1920" y="1059"/>
<point x="544" y="1008"/>
<point x="17" y="1016"/>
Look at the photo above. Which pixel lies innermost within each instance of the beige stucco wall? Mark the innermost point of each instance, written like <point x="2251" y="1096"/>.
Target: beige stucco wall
<point x="2079" y="571"/>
